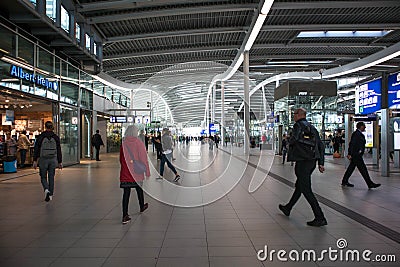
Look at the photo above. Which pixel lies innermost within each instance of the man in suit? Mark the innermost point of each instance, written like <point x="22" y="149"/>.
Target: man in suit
<point x="305" y="156"/>
<point x="355" y="155"/>
<point x="97" y="141"/>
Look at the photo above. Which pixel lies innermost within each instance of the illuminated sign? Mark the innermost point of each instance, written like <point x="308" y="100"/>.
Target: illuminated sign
<point x="394" y="90"/>
<point x="213" y="128"/>
<point x="368" y="133"/>
<point x="33" y="78"/>
<point x="368" y="97"/>
<point x="117" y="119"/>
<point x="138" y="119"/>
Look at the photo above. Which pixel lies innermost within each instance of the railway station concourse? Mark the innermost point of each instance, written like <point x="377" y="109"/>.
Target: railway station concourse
<point x="224" y="79"/>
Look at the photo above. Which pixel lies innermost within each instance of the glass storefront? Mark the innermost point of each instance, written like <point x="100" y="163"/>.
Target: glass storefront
<point x="69" y="134"/>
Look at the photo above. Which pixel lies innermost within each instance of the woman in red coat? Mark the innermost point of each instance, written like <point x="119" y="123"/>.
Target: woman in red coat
<point x="134" y="166"/>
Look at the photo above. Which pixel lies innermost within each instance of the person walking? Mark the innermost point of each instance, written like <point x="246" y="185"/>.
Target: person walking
<point x="284" y="148"/>
<point x="23" y="146"/>
<point x="166" y="157"/>
<point x="216" y="138"/>
<point x="305" y="148"/>
<point x="134" y="167"/>
<point x="97" y="141"/>
<point x="48" y="151"/>
<point x="355" y="155"/>
<point x="157" y="144"/>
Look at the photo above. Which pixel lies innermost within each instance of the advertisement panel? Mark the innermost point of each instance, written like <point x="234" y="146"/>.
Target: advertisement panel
<point x="394" y="90"/>
<point x="368" y="97"/>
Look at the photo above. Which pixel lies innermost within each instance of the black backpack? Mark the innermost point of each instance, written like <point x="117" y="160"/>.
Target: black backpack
<point x="307" y="135"/>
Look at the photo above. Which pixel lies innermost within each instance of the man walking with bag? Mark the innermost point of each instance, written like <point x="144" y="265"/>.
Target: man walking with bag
<point x="305" y="148"/>
<point x="48" y="151"/>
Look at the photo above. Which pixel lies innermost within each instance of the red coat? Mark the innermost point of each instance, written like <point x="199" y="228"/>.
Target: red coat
<point x="138" y="150"/>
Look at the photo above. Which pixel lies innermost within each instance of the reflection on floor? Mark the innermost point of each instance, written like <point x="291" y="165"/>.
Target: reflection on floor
<point x="82" y="225"/>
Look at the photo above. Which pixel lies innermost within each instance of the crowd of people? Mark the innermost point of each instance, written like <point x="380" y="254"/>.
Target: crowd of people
<point x="303" y="147"/>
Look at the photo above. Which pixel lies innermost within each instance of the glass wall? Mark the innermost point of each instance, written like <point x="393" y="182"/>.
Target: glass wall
<point x="7" y="41"/>
<point x="69" y="134"/>
<point x="25" y="50"/>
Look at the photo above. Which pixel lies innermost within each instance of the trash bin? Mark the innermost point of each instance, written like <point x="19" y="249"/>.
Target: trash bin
<point x="9" y="164"/>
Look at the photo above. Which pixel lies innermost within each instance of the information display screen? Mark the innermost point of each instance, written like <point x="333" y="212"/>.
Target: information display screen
<point x="368" y="97"/>
<point x="394" y="90"/>
<point x="369" y="133"/>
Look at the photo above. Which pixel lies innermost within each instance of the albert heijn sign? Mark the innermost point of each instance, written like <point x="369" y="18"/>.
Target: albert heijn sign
<point x="33" y="78"/>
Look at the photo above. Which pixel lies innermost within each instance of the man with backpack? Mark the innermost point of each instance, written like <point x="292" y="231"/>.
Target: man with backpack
<point x="305" y="148"/>
<point x="48" y="151"/>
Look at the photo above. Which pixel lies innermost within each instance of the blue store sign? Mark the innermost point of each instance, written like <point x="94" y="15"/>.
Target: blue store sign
<point x="33" y="78"/>
<point x="394" y="90"/>
<point x="369" y="97"/>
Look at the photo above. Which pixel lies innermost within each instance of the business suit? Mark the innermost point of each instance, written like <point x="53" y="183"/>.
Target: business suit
<point x="356" y="151"/>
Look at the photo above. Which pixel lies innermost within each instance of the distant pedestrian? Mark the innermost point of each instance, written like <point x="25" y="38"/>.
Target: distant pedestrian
<point x="97" y="141"/>
<point x="167" y="147"/>
<point x="284" y="148"/>
<point x="23" y="145"/>
<point x="48" y="151"/>
<point x="355" y="155"/>
<point x="134" y="166"/>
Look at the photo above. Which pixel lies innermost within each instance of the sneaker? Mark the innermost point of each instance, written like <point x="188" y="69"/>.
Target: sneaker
<point x="284" y="209"/>
<point x="126" y="219"/>
<point x="317" y="222"/>
<point x="177" y="177"/>
<point x="348" y="184"/>
<point x="160" y="177"/>
<point x="47" y="195"/>
<point x="373" y="185"/>
<point x="51" y="198"/>
<point x="145" y="206"/>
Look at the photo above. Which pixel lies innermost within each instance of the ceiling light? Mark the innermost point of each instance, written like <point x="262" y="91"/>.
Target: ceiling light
<point x="255" y="31"/>
<point x="7" y="100"/>
<point x="266" y="7"/>
<point x="301" y="62"/>
<point x="336" y="34"/>
<point x="5" y="106"/>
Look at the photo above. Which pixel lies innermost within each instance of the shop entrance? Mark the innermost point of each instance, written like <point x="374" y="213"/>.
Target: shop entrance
<point x="19" y="113"/>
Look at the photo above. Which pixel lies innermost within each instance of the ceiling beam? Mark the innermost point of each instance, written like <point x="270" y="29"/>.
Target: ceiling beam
<point x="127" y="4"/>
<point x="169" y="52"/>
<point x="333" y="4"/>
<point x="154" y="35"/>
<point x="171" y="12"/>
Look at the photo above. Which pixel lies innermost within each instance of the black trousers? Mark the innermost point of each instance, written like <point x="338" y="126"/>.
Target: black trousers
<point x="303" y="171"/>
<point x="97" y="148"/>
<point x="126" y="196"/>
<point x="359" y="163"/>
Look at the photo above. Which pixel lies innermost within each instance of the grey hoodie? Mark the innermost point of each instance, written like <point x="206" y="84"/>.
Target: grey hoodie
<point x="166" y="142"/>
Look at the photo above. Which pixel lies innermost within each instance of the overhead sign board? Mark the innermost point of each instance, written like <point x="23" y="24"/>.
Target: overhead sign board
<point x="33" y="78"/>
<point x="368" y="97"/>
<point x="394" y="90"/>
<point x="118" y="119"/>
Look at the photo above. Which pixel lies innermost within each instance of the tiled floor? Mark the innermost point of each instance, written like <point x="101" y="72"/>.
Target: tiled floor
<point x="82" y="225"/>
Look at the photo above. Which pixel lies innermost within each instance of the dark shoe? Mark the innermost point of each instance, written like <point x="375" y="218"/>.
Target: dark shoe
<point x="374" y="185"/>
<point x="177" y="177"/>
<point x="284" y="209"/>
<point x="145" y="206"/>
<point x="47" y="194"/>
<point x="98" y="159"/>
<point x="348" y="184"/>
<point x="126" y="219"/>
<point x="317" y="222"/>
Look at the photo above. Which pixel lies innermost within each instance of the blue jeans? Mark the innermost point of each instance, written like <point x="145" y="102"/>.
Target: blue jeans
<point x="47" y="171"/>
<point x="166" y="159"/>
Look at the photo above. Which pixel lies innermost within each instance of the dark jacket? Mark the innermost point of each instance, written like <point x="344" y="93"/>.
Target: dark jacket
<point x="357" y="144"/>
<point x="298" y="151"/>
<point x="97" y="141"/>
<point x="38" y="145"/>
